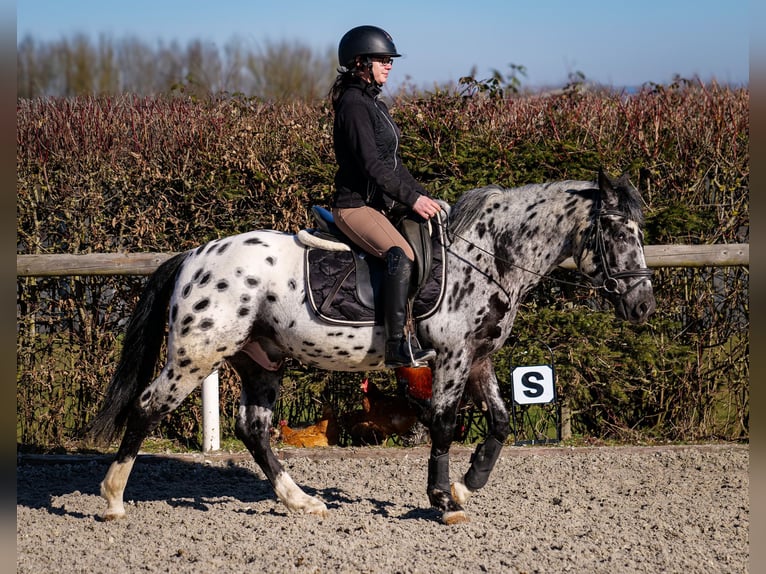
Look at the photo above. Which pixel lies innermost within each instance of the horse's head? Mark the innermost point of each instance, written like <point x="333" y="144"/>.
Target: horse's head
<point x="611" y="253"/>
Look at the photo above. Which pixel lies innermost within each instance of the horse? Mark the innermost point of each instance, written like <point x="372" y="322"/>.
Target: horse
<point x="243" y="299"/>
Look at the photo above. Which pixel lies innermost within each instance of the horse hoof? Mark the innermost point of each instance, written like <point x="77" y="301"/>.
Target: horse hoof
<point x="460" y="492"/>
<point x="455" y="517"/>
<point x="321" y="512"/>
<point x="315" y="507"/>
<point x="109" y="516"/>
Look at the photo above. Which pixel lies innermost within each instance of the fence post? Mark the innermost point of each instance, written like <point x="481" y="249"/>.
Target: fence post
<point x="211" y="427"/>
<point x="566" y="423"/>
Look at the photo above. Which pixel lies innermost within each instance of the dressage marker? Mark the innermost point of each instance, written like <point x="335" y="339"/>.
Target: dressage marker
<point x="534" y="402"/>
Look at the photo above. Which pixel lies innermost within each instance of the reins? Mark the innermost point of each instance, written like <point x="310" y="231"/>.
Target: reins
<point x="451" y="234"/>
<point x="610" y="280"/>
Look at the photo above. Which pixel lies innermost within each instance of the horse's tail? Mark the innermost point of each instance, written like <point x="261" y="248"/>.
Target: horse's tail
<point x="140" y="350"/>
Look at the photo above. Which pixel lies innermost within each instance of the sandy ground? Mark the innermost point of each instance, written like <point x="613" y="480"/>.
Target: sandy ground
<point x="608" y="509"/>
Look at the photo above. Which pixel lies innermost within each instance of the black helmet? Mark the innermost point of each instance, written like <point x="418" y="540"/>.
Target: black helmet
<point x="365" y="41"/>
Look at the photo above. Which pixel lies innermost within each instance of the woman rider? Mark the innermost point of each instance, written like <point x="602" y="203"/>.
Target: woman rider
<point x="371" y="182"/>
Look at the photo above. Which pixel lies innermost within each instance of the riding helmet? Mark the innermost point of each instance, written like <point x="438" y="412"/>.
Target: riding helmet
<point x="365" y="41"/>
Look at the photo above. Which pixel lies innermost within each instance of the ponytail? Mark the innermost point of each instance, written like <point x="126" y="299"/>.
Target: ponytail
<point x="342" y="80"/>
<point x="348" y="75"/>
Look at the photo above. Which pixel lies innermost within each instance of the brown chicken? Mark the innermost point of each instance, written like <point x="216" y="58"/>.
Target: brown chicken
<point x="381" y="416"/>
<point x="324" y="432"/>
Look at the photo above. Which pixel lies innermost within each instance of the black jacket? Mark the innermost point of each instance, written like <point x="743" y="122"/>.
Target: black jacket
<point x="370" y="170"/>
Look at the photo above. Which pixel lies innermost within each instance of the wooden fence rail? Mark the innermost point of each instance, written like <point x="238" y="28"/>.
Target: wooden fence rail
<point x="145" y="263"/>
<point x="49" y="265"/>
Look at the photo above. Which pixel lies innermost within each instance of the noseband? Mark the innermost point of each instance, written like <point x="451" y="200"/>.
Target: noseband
<point x="610" y="284"/>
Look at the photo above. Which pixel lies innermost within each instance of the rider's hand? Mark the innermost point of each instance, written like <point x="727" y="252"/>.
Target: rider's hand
<point x="426" y="207"/>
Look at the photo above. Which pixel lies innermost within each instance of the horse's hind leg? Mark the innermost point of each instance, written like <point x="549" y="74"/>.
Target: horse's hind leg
<point x="483" y="388"/>
<point x="113" y="485"/>
<point x="159" y="399"/>
<point x="260" y="389"/>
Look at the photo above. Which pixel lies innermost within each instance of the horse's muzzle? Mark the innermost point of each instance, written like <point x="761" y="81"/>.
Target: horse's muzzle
<point x="637" y="304"/>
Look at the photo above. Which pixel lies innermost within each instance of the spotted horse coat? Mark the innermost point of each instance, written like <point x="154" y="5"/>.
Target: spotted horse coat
<point x="242" y="299"/>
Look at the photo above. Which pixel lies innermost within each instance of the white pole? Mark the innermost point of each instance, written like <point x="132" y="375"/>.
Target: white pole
<point x="211" y="420"/>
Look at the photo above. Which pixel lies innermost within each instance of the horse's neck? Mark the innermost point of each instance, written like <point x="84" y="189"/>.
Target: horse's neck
<point x="525" y="249"/>
<point x="541" y="243"/>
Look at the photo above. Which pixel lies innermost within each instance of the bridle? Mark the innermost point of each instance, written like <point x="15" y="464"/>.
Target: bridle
<point x="609" y="283"/>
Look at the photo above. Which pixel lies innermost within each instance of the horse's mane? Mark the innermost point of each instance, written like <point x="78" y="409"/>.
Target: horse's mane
<point x="469" y="206"/>
<point x="472" y="203"/>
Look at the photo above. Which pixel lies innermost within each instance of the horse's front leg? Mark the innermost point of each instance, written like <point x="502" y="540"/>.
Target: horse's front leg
<point x="442" y="429"/>
<point x="485" y="392"/>
<point x="260" y="389"/>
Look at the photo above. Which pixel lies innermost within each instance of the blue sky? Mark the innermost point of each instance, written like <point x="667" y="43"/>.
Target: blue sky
<point x="613" y="42"/>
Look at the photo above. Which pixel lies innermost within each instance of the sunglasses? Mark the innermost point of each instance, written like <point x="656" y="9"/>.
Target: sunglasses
<point x="384" y="60"/>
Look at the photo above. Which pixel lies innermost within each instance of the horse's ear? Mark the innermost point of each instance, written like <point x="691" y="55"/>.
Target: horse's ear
<point x="607" y="189"/>
<point x="624" y="180"/>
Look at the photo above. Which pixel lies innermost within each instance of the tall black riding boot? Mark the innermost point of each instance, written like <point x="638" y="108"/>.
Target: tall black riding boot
<point x="400" y="351"/>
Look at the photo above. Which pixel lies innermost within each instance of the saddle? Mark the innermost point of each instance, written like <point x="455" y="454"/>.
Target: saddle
<point x="344" y="284"/>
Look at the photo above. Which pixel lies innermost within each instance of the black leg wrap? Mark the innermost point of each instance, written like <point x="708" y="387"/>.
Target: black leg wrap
<point x="438" y="472"/>
<point x="482" y="463"/>
<point x="439" y="492"/>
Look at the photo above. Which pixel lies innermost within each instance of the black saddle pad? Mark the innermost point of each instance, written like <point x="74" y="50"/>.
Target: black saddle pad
<point x="345" y="287"/>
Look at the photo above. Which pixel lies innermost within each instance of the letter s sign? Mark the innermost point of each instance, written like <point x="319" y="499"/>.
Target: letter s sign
<point x="533" y="385"/>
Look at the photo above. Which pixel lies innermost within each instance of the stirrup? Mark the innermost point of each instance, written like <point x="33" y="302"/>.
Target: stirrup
<point x="420" y="357"/>
<point x="408" y="355"/>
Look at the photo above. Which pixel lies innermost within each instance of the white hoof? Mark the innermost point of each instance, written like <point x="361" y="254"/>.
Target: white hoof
<point x="112" y="514"/>
<point x="460" y="492"/>
<point x="113" y="487"/>
<point x="295" y="499"/>
<point x="115" y="508"/>
<point x="455" y="517"/>
<point x="314" y="506"/>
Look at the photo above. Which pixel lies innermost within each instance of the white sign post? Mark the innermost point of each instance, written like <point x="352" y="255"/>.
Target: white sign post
<point x="211" y="418"/>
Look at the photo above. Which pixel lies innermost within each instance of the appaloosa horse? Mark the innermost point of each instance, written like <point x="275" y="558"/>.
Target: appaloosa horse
<point x="243" y="299"/>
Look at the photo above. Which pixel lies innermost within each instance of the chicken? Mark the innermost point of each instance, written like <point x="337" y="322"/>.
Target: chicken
<point x="380" y="417"/>
<point x="324" y="432"/>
